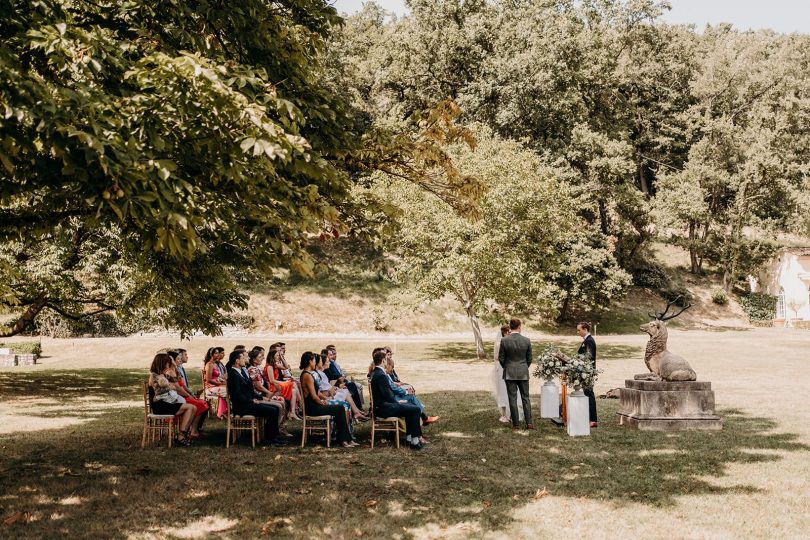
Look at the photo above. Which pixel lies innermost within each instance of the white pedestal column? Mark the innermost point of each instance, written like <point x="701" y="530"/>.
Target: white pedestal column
<point x="549" y="400"/>
<point x="578" y="419"/>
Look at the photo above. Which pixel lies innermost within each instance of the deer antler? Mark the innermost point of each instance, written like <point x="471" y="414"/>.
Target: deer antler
<point x="662" y="318"/>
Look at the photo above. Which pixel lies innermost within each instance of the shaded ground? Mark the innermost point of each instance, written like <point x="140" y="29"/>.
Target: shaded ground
<point x="70" y="454"/>
<point x="78" y="480"/>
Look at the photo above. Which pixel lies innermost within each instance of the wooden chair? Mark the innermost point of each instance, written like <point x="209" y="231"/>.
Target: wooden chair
<point x="315" y="424"/>
<point x="382" y="424"/>
<point x="240" y="423"/>
<point x="155" y="424"/>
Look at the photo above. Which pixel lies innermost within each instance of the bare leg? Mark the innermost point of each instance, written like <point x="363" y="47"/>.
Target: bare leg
<point x="294" y="403"/>
<point x="186" y="413"/>
<point x="354" y="407"/>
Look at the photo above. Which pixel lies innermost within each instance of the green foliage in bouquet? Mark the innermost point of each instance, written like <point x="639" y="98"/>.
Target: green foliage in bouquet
<point x="549" y="366"/>
<point x="581" y="371"/>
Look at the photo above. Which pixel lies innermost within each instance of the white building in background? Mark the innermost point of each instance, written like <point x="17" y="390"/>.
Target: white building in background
<point x="788" y="278"/>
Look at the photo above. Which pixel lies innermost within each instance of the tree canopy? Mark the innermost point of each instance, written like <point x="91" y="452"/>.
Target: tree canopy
<point x="156" y="159"/>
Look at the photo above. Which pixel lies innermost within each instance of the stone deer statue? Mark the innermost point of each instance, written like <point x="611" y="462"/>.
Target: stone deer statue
<point x="664" y="365"/>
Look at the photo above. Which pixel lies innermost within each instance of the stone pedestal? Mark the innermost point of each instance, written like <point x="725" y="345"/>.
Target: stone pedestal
<point x="668" y="406"/>
<point x="578" y="418"/>
<point x="549" y="400"/>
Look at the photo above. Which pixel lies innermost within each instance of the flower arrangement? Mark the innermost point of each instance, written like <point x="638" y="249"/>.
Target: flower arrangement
<point x="580" y="371"/>
<point x="549" y="364"/>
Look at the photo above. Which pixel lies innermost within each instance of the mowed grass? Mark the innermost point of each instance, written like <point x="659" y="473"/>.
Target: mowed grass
<point x="91" y="479"/>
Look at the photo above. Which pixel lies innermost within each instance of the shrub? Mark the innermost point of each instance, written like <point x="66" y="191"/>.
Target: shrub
<point x="759" y="306"/>
<point x="719" y="297"/>
<point x="650" y="275"/>
<point x="23" y="347"/>
<point x="54" y="325"/>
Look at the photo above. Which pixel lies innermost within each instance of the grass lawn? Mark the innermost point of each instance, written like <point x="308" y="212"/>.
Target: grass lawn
<point x="70" y="454"/>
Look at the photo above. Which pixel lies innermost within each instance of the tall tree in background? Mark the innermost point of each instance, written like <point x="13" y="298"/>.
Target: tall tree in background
<point x="528" y="253"/>
<point x="743" y="177"/>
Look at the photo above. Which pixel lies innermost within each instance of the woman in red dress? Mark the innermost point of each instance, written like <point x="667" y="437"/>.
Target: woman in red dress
<point x="273" y="374"/>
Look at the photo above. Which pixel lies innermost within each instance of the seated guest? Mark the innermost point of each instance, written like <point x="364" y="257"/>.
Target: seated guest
<point x="275" y="376"/>
<point x="317" y="405"/>
<point x="215" y="379"/>
<point x="247" y="402"/>
<point x="255" y="359"/>
<point x="180" y="357"/>
<point x="389" y="357"/>
<point x="371" y="366"/>
<point x="165" y="400"/>
<point x="340" y="395"/>
<point x="387" y="405"/>
<point x="337" y="376"/>
<point x="407" y="388"/>
<point x="408" y="395"/>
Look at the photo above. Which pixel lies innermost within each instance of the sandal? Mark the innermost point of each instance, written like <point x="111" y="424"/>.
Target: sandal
<point x="183" y="440"/>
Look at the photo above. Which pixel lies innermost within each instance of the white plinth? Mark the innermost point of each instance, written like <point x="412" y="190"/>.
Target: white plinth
<point x="549" y="400"/>
<point x="578" y="418"/>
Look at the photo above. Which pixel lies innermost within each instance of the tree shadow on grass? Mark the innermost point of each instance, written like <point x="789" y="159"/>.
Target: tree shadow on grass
<point x="80" y="480"/>
<point x="466" y="352"/>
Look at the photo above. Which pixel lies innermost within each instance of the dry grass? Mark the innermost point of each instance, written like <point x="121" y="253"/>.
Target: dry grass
<point x="476" y="480"/>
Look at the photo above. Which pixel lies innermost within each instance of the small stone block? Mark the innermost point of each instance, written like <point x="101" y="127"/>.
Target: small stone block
<point x="26" y="359"/>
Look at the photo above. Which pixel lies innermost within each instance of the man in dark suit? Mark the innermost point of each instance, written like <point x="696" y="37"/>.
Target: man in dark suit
<point x="386" y="404"/>
<point x="246" y="401"/>
<point x="588" y="348"/>
<point x="515" y="356"/>
<point x="337" y="376"/>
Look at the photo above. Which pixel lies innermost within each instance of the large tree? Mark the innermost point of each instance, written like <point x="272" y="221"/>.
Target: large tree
<point x="522" y="256"/>
<point x="746" y="165"/>
<point x="156" y="158"/>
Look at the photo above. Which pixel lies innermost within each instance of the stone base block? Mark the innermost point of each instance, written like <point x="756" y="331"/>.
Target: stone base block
<point x="8" y="360"/>
<point x="668" y="406"/>
<point x="26" y="359"/>
<point x="709" y="423"/>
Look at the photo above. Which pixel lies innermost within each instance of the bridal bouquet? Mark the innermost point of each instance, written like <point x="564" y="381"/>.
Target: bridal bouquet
<point x="549" y="365"/>
<point x="580" y="371"/>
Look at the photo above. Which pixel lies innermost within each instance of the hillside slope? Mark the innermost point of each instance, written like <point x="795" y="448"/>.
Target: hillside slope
<point x="361" y="302"/>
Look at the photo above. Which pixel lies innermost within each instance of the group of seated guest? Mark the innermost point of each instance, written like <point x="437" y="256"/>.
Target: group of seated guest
<point x="338" y="377"/>
<point x="169" y="395"/>
<point x="272" y="394"/>
<point x="245" y="400"/>
<point x="387" y="404"/>
<point x="273" y="397"/>
<point x="403" y="391"/>
<point x="278" y="378"/>
<point x="317" y="404"/>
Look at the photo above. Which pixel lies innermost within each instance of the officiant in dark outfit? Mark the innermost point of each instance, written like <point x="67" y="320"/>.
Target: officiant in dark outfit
<point x="588" y="348"/>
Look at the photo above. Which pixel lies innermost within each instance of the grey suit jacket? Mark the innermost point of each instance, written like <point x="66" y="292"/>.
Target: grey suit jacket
<point x="515" y="357"/>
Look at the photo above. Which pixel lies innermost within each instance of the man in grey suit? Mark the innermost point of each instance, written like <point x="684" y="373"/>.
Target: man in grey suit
<point x="515" y="357"/>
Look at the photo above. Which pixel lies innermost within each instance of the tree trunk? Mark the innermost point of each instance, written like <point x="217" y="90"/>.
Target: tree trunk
<point x="643" y="183"/>
<point x="693" y="255"/>
<point x="603" y="217"/>
<point x="25" y="320"/>
<point x="479" y="341"/>
<point x="564" y="308"/>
